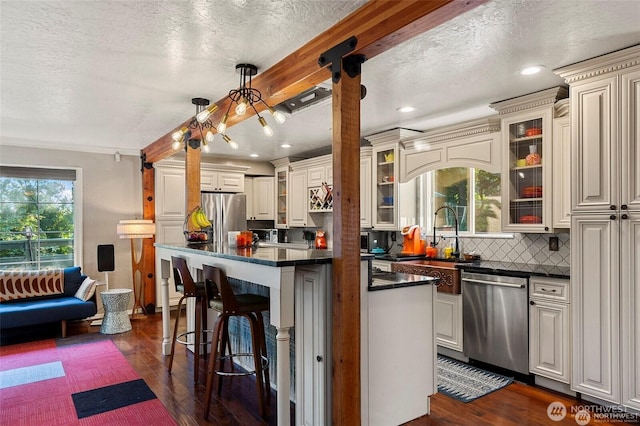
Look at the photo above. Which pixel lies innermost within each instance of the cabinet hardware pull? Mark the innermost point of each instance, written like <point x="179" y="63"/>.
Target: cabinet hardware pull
<point x="624" y="216"/>
<point x="319" y="358"/>
<point x="497" y="284"/>
<point x="612" y="207"/>
<point x="612" y="217"/>
<point x="531" y="302"/>
<point x="623" y="207"/>
<point x="553" y="290"/>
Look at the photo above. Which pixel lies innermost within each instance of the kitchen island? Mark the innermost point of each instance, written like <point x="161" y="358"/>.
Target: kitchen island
<point x="272" y="267"/>
<point x="299" y="286"/>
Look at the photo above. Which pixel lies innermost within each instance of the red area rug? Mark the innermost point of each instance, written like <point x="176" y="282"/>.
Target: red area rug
<point x="74" y="384"/>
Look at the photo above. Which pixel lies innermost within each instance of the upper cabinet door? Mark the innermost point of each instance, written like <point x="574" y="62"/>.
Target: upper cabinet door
<point x="263" y="198"/>
<point x="594" y="150"/>
<point x="526" y="180"/>
<point x="561" y="172"/>
<point x="170" y="199"/>
<point x="630" y="137"/>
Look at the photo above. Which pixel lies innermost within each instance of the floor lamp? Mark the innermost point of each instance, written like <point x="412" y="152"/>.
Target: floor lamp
<point x="134" y="230"/>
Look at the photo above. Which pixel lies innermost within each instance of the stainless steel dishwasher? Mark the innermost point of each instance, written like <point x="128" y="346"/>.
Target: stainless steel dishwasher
<point x="496" y="320"/>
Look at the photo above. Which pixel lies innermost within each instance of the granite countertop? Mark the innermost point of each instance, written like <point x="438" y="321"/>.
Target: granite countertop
<point x="390" y="280"/>
<point x="263" y="255"/>
<point x="502" y="268"/>
<point x="516" y="269"/>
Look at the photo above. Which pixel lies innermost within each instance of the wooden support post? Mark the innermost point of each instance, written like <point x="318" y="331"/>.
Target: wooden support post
<point x="192" y="175"/>
<point x="346" y="250"/>
<point x="148" y="257"/>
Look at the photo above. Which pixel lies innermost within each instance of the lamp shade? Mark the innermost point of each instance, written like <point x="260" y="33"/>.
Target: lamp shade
<point x="136" y="228"/>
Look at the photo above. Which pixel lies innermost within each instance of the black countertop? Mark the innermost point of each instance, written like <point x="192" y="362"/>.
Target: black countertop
<point x="393" y="280"/>
<point x="516" y="269"/>
<point x="270" y="256"/>
<point x="499" y="268"/>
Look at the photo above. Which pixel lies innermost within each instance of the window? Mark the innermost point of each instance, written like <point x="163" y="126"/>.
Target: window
<point x="37" y="218"/>
<point x="473" y="194"/>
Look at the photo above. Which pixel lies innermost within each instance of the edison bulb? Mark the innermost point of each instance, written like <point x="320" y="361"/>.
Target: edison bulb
<point x="176" y="145"/>
<point x="209" y="136"/>
<point x="241" y="109"/>
<point x="222" y="126"/>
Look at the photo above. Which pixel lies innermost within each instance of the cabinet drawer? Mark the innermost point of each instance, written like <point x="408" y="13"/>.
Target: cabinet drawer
<point x="549" y="288"/>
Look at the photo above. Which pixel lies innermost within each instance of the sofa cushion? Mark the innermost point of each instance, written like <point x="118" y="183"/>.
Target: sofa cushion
<point x="24" y="313"/>
<point x="72" y="280"/>
<point x="86" y="290"/>
<point x="16" y="285"/>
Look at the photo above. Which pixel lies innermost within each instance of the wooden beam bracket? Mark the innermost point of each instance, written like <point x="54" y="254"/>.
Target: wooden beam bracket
<point x="143" y="162"/>
<point x="352" y="65"/>
<point x="333" y="57"/>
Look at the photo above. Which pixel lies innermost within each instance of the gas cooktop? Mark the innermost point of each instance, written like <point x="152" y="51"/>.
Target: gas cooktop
<point x="398" y="257"/>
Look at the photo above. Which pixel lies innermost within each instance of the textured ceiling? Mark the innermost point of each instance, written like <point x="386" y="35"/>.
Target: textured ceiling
<point x="108" y="76"/>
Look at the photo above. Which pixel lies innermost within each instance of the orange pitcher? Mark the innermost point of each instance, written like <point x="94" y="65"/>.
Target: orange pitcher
<point x="321" y="239"/>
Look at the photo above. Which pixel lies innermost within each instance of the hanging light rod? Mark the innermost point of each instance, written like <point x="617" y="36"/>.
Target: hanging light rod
<point x="246" y="97"/>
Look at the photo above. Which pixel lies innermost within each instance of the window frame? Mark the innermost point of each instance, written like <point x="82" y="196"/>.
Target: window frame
<point x="77" y="206"/>
<point x="426" y="185"/>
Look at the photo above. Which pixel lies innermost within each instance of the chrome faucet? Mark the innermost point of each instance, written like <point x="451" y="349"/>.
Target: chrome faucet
<point x="456" y="253"/>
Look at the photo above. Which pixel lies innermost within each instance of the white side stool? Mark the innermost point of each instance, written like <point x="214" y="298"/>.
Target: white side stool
<point x="116" y="316"/>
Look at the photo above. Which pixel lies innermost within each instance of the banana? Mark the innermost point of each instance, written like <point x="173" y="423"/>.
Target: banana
<point x="203" y="222"/>
<point x="194" y="219"/>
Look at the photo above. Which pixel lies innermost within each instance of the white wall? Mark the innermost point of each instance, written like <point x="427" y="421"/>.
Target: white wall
<point x="111" y="191"/>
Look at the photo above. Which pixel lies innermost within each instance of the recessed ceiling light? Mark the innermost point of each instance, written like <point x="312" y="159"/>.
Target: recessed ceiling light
<point x="405" y="109"/>
<point x="286" y="145"/>
<point x="535" y="69"/>
<point x="254" y="155"/>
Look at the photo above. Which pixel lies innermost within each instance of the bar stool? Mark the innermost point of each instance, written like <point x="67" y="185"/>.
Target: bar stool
<point x="184" y="284"/>
<point x="228" y="305"/>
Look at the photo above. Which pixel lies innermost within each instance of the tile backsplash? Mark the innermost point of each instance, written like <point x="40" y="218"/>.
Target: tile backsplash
<point x="522" y="248"/>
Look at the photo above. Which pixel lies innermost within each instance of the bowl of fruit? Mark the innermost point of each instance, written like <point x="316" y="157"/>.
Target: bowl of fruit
<point x="195" y="227"/>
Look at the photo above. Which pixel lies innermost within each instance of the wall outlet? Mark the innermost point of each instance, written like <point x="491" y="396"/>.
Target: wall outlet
<point x="554" y="244"/>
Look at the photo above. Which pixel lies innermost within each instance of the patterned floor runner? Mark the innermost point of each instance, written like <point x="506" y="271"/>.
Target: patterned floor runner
<point x="466" y="383"/>
<point x="81" y="383"/>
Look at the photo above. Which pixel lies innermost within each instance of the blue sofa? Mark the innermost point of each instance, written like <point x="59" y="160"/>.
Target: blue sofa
<point x="49" y="309"/>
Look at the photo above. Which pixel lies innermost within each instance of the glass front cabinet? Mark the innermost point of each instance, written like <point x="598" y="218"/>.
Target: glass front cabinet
<point x="527" y="133"/>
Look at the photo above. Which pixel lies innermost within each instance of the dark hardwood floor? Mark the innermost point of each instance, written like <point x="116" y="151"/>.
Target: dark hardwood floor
<point x="516" y="404"/>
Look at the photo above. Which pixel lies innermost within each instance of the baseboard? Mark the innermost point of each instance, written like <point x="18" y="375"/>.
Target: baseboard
<point x="452" y="354"/>
<point x="554" y="385"/>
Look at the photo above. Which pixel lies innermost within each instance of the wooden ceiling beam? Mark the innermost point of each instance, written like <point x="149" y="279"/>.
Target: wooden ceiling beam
<point x="379" y="26"/>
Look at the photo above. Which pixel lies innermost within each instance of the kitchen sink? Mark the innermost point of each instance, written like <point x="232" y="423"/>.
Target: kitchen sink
<point x="445" y="270"/>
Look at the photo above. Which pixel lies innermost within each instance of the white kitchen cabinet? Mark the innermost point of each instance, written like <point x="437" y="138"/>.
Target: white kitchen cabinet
<point x="605" y="150"/>
<point x="527" y="160"/>
<point x="313" y="345"/>
<point x="221" y="181"/>
<point x="595" y="303"/>
<point x="297" y="199"/>
<point x="261" y="198"/>
<point x="562" y="167"/>
<point x="282" y="197"/>
<point x="170" y="190"/>
<point x="365" y="187"/>
<point x="549" y="330"/>
<point x="630" y="309"/>
<point x="393" y="203"/>
<point x="449" y="321"/>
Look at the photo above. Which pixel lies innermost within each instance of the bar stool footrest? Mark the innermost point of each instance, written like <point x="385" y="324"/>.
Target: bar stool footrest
<point x="180" y="338"/>
<point x="264" y="365"/>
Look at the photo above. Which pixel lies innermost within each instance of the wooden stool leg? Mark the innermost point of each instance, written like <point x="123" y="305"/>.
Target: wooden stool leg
<point x="211" y="367"/>
<point x="226" y="342"/>
<point x="257" y="362"/>
<point x="175" y="334"/>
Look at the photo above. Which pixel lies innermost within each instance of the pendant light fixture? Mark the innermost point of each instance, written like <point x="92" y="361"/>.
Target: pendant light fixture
<point x="245" y="97"/>
<point x="201" y="121"/>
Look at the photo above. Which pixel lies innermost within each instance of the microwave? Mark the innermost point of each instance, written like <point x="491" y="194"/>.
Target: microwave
<point x="269" y="235"/>
<point x="373" y="240"/>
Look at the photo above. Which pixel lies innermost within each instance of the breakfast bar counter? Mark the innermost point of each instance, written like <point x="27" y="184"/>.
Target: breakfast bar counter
<point x="278" y="269"/>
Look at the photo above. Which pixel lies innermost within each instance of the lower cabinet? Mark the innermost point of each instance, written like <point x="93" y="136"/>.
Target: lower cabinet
<point x="313" y="345"/>
<point x="549" y="329"/>
<point x="449" y="321"/>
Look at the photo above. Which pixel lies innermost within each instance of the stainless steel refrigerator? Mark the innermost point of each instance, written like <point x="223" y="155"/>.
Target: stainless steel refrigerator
<point x="227" y="212"/>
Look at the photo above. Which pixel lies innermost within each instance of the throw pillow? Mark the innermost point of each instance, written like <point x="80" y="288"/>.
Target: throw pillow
<point x="86" y="290"/>
<point x="72" y="280"/>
